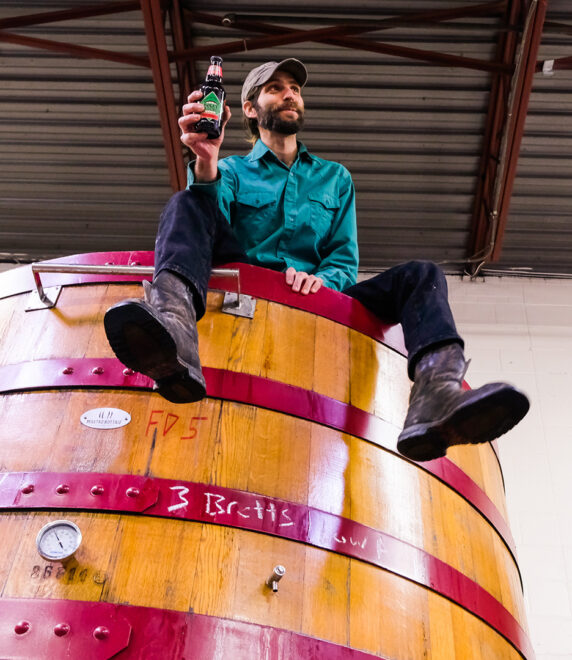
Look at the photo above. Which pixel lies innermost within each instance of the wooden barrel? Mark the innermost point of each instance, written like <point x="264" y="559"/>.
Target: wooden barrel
<point x="185" y="511"/>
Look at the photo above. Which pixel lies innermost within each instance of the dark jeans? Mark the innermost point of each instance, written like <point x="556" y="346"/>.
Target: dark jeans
<point x="194" y="236"/>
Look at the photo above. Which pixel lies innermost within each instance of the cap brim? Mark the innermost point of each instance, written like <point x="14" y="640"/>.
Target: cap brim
<point x="295" y="68"/>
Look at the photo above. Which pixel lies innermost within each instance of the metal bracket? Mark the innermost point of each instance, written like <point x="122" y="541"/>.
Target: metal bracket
<point x="43" y="298"/>
<point x="238" y="304"/>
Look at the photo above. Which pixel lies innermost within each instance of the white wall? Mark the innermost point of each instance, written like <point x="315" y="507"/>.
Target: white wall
<point x="520" y="330"/>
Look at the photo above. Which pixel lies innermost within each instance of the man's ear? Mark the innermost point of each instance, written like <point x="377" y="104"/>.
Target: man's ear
<point x="249" y="110"/>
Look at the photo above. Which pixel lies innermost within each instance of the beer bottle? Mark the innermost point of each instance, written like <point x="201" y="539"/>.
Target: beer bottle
<point x="213" y="100"/>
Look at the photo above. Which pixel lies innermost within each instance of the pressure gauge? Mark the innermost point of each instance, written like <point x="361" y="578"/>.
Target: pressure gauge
<point x="58" y="540"/>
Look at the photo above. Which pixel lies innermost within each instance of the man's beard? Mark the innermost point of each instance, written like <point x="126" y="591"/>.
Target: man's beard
<point x="271" y="120"/>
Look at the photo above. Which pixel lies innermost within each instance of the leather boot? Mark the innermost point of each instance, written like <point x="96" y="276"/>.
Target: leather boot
<point x="158" y="337"/>
<point x="442" y="414"/>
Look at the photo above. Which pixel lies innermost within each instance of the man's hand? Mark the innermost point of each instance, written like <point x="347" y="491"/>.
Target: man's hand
<point x="302" y="282"/>
<point x="204" y="149"/>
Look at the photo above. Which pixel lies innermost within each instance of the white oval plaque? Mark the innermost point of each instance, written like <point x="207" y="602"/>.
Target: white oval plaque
<point x="105" y="418"/>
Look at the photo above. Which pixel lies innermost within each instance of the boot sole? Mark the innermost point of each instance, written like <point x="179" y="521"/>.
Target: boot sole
<point x="141" y="343"/>
<point x="497" y="411"/>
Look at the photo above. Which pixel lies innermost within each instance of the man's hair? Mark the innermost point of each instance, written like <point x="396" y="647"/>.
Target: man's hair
<point x="251" y="124"/>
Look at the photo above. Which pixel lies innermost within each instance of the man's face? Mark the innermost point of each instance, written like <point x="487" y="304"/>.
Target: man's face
<point x="280" y="107"/>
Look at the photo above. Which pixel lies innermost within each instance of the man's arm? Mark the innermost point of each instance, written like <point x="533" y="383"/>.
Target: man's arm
<point x="340" y="257"/>
<point x="339" y="265"/>
<point x="206" y="151"/>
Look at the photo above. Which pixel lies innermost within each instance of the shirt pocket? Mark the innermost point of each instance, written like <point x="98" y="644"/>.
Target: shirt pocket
<point x="323" y="210"/>
<point x="256" y="216"/>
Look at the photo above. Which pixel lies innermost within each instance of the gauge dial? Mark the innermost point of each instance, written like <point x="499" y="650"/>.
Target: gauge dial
<point x="58" y="540"/>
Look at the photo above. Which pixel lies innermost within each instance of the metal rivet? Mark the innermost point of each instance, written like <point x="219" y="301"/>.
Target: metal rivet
<point x="109" y="263"/>
<point x="22" y="627"/>
<point x="62" y="489"/>
<point x="135" y="263"/>
<point x="132" y="492"/>
<point x="67" y="371"/>
<point x="101" y="633"/>
<point x="98" y="489"/>
<point x="97" y="370"/>
<point x="61" y="629"/>
<point x="128" y="372"/>
<point x="27" y="489"/>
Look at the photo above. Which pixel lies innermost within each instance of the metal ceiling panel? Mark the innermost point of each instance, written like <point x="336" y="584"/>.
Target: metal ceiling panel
<point x="82" y="164"/>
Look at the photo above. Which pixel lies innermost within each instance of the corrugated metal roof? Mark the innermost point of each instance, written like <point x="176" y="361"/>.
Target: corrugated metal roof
<point x="82" y="163"/>
<point x="539" y="233"/>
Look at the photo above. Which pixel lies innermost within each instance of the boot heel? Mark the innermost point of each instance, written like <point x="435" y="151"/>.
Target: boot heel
<point x="180" y="388"/>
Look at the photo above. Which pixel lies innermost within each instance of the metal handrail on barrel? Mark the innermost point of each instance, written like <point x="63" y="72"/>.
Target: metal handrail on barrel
<point x="234" y="303"/>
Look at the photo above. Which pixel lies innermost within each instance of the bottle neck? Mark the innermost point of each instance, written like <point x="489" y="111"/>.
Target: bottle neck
<point x="215" y="73"/>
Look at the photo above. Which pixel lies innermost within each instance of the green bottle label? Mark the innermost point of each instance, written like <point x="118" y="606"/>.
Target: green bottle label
<point x="213" y="106"/>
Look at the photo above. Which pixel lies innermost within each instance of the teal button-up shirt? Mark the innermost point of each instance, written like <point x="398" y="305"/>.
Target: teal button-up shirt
<point x="303" y="216"/>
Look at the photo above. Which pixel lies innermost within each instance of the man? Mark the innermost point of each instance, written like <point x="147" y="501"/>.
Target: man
<point x="283" y="208"/>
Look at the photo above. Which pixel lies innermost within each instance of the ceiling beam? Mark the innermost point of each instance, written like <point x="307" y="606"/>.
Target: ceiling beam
<point x="68" y="14"/>
<point x="503" y="136"/>
<point x="168" y="113"/>
<point x="338" y="35"/>
<point x="64" y="48"/>
<point x="358" y="26"/>
<point x="181" y="36"/>
<point x="562" y="63"/>
<point x="518" y="113"/>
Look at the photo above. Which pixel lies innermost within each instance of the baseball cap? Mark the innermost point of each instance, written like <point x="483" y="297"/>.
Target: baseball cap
<point x="262" y="74"/>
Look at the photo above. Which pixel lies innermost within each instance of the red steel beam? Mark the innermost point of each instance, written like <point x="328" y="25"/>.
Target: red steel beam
<point x="376" y="47"/>
<point x="185" y="70"/>
<point x="438" y="15"/>
<point x="504" y="125"/>
<point x="431" y="57"/>
<point x="68" y="14"/>
<point x="74" y="50"/>
<point x="518" y="119"/>
<point x="489" y="162"/>
<point x="157" y="44"/>
<point x="558" y="64"/>
<point x="330" y="35"/>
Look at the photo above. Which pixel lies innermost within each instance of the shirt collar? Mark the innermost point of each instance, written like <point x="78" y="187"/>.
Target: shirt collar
<point x="260" y="150"/>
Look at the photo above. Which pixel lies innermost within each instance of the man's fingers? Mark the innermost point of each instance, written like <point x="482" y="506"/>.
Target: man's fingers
<point x="303" y="283"/>
<point x="299" y="279"/>
<point x="311" y="285"/>
<point x="194" y="96"/>
<point x="188" y="121"/>
<point x="227" y="114"/>
<point x="290" y="273"/>
<point x="318" y="281"/>
<point x="308" y="283"/>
